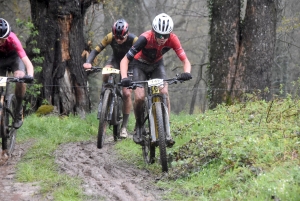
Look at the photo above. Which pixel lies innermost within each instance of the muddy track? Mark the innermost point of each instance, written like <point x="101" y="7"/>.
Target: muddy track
<point x="10" y="189"/>
<point x="105" y="177"/>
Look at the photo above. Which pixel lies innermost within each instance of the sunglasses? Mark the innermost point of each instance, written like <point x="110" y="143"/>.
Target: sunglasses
<point x="120" y="37"/>
<point x="162" y="36"/>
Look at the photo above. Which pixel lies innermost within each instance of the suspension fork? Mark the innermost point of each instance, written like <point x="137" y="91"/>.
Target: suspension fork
<point x="156" y="97"/>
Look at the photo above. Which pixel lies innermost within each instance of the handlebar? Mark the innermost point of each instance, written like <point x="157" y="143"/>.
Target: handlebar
<point x="15" y="79"/>
<point x="94" y="68"/>
<point x="154" y="82"/>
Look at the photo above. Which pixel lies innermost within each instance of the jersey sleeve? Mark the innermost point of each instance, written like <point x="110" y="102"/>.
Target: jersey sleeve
<point x="17" y="45"/>
<point x="138" y="46"/>
<point x="105" y="41"/>
<point x="176" y="45"/>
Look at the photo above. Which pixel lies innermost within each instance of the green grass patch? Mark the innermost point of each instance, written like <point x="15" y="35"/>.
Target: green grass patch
<point x="241" y="152"/>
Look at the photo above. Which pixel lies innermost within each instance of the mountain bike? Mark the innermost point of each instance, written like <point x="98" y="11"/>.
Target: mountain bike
<point x="110" y="106"/>
<point x="8" y="104"/>
<point x="155" y="120"/>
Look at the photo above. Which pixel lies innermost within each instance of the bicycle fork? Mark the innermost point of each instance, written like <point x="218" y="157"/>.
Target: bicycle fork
<point x="111" y="106"/>
<point x="156" y="102"/>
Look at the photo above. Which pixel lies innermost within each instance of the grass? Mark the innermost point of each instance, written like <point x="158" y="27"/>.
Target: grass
<point x="241" y="152"/>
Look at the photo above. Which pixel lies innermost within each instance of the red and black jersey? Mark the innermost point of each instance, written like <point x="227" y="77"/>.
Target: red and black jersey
<point x="147" y="50"/>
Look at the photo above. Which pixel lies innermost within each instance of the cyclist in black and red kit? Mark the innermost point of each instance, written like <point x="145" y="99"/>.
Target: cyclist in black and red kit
<point x="146" y="57"/>
<point x="13" y="58"/>
<point x="120" y="41"/>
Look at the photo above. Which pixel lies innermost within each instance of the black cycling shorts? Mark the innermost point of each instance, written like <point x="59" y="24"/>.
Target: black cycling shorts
<point x="143" y="71"/>
<point x="115" y="63"/>
<point x="11" y="63"/>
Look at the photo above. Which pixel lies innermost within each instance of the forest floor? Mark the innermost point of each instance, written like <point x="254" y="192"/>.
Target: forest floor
<point x="104" y="175"/>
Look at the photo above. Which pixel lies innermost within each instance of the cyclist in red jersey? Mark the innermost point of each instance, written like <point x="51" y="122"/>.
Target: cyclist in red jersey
<point x="13" y="58"/>
<point x="146" y="57"/>
<point x="120" y="41"/>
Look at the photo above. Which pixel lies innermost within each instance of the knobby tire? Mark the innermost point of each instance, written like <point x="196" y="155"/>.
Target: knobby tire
<point x="103" y="119"/>
<point x="148" y="148"/>
<point x="9" y="132"/>
<point x="117" y="118"/>
<point x="161" y="136"/>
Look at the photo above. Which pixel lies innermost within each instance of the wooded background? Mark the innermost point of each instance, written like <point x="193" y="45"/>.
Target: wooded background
<point x="206" y="33"/>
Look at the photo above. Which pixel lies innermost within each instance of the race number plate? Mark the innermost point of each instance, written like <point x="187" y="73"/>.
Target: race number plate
<point x="3" y="81"/>
<point x="155" y="82"/>
<point x="110" y="70"/>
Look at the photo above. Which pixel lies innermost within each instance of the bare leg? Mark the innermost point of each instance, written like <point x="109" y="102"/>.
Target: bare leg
<point x="127" y="104"/>
<point x="139" y="99"/>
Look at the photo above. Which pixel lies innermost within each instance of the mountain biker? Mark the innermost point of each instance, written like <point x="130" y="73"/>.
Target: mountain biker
<point x="146" y="57"/>
<point x="120" y="41"/>
<point x="13" y="58"/>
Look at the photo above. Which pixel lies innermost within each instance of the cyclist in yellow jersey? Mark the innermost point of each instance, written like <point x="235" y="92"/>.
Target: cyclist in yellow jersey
<point x="120" y="41"/>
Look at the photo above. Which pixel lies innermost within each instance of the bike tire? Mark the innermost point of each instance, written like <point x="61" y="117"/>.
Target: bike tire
<point x="117" y="118"/>
<point x="148" y="147"/>
<point x="103" y="119"/>
<point x="159" y="122"/>
<point x="9" y="132"/>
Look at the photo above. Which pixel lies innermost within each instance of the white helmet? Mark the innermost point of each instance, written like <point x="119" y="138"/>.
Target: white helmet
<point x="4" y="28"/>
<point x="162" y="24"/>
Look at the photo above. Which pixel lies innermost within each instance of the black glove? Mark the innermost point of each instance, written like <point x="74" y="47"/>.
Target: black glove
<point x="126" y="82"/>
<point x="28" y="79"/>
<point x="185" y="76"/>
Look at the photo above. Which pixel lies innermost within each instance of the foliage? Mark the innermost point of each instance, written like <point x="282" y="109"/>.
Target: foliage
<point x="248" y="150"/>
<point x="44" y="110"/>
<point x="289" y="24"/>
<point x="33" y="90"/>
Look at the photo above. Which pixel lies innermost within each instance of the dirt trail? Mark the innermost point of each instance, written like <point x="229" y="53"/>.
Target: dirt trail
<point x="104" y="176"/>
<point x="10" y="189"/>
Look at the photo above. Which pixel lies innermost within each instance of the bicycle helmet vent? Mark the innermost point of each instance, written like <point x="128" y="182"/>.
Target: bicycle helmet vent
<point x="162" y="24"/>
<point x="4" y="28"/>
<point x="120" y="29"/>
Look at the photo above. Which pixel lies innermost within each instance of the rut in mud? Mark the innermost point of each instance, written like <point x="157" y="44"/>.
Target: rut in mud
<point x="104" y="175"/>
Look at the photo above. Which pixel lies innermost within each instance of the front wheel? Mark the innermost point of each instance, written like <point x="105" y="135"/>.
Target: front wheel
<point x="117" y="117"/>
<point x="9" y="132"/>
<point x="159" y="126"/>
<point x="103" y="119"/>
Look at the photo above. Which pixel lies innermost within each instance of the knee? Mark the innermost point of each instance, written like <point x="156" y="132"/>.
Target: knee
<point x="164" y="92"/>
<point x="126" y="94"/>
<point x="19" y="73"/>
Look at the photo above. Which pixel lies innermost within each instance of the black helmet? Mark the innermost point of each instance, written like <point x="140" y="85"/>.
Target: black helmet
<point x="120" y="29"/>
<point x="4" y="28"/>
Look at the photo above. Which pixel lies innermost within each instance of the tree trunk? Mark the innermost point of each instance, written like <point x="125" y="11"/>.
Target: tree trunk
<point x="257" y="48"/>
<point x="241" y="56"/>
<point x="61" y="42"/>
<point x="224" y="48"/>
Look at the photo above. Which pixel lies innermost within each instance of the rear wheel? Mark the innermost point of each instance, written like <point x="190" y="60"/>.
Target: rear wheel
<point x="148" y="148"/>
<point x="103" y="119"/>
<point x="9" y="132"/>
<point x="159" y="126"/>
